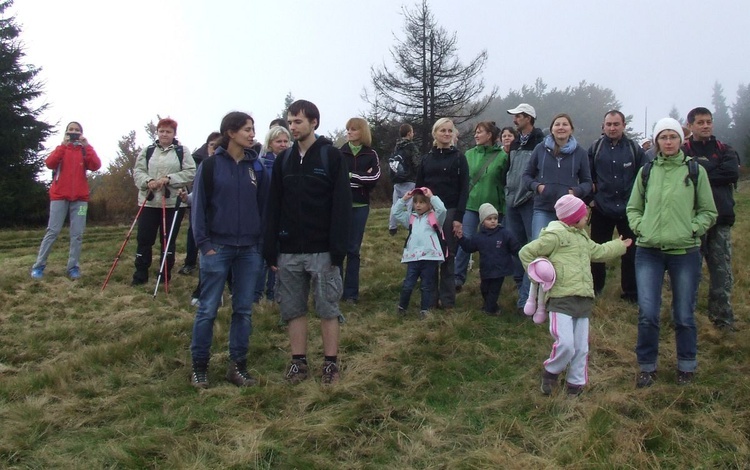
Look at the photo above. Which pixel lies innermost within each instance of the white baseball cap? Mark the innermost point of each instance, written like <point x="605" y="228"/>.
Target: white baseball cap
<point x="523" y="108"/>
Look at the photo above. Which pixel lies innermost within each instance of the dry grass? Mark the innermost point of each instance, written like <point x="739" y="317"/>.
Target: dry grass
<point x="92" y="380"/>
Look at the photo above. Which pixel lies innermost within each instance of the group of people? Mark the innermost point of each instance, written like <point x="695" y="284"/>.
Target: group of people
<point x="292" y="220"/>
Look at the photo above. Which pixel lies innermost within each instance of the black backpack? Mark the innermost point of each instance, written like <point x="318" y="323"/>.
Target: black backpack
<point x="398" y="168"/>
<point x="693" y="170"/>
<point x="179" y="150"/>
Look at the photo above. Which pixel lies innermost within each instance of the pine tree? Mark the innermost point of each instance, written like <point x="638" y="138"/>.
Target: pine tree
<point x="23" y="198"/>
<point x="722" y="121"/>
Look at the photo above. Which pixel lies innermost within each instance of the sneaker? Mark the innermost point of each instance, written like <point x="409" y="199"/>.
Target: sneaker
<point x="238" y="375"/>
<point x="186" y="269"/>
<point x="297" y="371"/>
<point x="37" y="273"/>
<point x="549" y="382"/>
<point x="401" y="311"/>
<point x="199" y="377"/>
<point x="574" y="390"/>
<point x="195" y="302"/>
<point x="392" y="231"/>
<point x="424" y="314"/>
<point x="684" y="378"/>
<point x="330" y="373"/>
<point x="74" y="273"/>
<point x="645" y="379"/>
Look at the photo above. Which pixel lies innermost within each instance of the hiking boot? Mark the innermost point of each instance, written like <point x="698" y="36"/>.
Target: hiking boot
<point x="74" y="273"/>
<point x="186" y="269"/>
<point x="296" y="372"/>
<point x="684" y="378"/>
<point x="238" y="375"/>
<point x="37" y="273"/>
<point x="574" y="390"/>
<point x="199" y="377"/>
<point x="645" y="379"/>
<point x="549" y="382"/>
<point x="330" y="373"/>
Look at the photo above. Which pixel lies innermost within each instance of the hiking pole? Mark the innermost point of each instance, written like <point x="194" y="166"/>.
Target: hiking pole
<point x="149" y="196"/>
<point x="164" y="264"/>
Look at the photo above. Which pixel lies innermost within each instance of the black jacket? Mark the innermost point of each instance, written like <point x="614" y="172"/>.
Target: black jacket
<point x="446" y="173"/>
<point x="309" y="204"/>
<point x="722" y="165"/>
<point x="613" y="172"/>
<point x="364" y="172"/>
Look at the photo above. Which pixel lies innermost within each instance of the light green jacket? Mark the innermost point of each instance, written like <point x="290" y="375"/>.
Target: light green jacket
<point x="671" y="215"/>
<point x="570" y="250"/>
<point x="489" y="187"/>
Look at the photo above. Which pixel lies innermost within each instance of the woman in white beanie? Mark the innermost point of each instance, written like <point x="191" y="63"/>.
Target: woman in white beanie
<point x="670" y="208"/>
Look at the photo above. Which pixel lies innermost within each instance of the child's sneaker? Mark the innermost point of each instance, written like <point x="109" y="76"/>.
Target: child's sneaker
<point x="74" y="273"/>
<point x="37" y="273"/>
<point x="549" y="382"/>
<point x="574" y="390"/>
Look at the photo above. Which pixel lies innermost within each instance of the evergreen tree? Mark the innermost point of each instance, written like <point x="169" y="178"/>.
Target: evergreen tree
<point x="23" y="199"/>
<point x="722" y="121"/>
<point x="741" y="126"/>
<point x="427" y="81"/>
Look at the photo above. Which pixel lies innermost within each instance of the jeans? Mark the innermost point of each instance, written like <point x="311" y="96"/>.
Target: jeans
<point x="356" y="234"/>
<point x="245" y="262"/>
<point x="684" y="274"/>
<point x="539" y="220"/>
<point x="518" y="221"/>
<point x="602" y="228"/>
<point x="399" y="189"/>
<point x="470" y="226"/>
<point x="58" y="210"/>
<point x="427" y="271"/>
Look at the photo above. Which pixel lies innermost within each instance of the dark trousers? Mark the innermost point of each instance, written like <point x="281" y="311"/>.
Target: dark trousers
<point x="490" y="289"/>
<point x="427" y="271"/>
<point x="445" y="282"/>
<point x="191" y="251"/>
<point x="602" y="228"/>
<point x="149" y="226"/>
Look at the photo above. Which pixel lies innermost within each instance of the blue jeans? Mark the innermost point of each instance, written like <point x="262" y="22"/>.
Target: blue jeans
<point x="245" y="263"/>
<point x="539" y="220"/>
<point x="518" y="221"/>
<point x="427" y="270"/>
<point x="684" y="274"/>
<point x="356" y="234"/>
<point x="470" y="225"/>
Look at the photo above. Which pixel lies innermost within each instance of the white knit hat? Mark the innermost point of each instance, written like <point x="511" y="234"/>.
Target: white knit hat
<point x="669" y="124"/>
<point x="486" y="210"/>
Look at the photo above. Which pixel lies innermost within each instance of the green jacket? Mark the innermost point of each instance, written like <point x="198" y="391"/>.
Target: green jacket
<point x="570" y="250"/>
<point x="489" y="186"/>
<point x="671" y="215"/>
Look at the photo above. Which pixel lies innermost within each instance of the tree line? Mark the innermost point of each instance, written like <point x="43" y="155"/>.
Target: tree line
<point x="424" y="82"/>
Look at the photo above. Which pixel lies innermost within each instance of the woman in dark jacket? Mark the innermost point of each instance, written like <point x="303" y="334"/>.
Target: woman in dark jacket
<point x="445" y="171"/>
<point x="558" y="166"/>
<point x="364" y="171"/>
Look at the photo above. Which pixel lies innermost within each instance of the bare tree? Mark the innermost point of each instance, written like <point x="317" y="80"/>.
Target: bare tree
<point x="427" y="80"/>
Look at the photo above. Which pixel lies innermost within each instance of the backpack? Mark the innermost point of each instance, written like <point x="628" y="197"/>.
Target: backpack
<point x="598" y="147"/>
<point x="397" y="168"/>
<point x="433" y="221"/>
<point x="693" y="170"/>
<point x="179" y="150"/>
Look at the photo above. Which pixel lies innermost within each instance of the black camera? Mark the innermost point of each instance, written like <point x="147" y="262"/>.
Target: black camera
<point x="74" y="136"/>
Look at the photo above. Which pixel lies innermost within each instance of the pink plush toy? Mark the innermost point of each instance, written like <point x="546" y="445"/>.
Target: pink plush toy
<point x="542" y="274"/>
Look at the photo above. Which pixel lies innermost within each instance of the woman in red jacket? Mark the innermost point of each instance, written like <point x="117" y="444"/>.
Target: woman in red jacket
<point x="69" y="195"/>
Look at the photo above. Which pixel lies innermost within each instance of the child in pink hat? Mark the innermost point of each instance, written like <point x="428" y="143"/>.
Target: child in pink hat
<point x="570" y="298"/>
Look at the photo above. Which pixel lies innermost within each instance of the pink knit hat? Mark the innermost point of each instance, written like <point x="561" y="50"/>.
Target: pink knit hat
<point x="570" y="209"/>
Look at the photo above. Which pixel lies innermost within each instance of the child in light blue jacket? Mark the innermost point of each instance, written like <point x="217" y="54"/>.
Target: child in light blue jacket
<point x="424" y="247"/>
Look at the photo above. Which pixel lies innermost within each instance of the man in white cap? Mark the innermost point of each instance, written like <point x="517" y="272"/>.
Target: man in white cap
<point x="519" y="204"/>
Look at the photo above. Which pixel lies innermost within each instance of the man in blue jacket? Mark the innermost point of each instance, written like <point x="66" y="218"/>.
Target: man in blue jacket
<point x="615" y="160"/>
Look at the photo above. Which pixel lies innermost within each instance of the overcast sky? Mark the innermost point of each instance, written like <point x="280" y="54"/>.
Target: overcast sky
<point x="114" y="66"/>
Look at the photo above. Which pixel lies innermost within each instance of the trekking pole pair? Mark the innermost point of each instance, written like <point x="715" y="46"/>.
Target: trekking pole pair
<point x="167" y="240"/>
<point x="149" y="197"/>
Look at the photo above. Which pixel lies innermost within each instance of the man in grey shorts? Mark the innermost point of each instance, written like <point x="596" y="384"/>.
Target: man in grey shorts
<point x="308" y="218"/>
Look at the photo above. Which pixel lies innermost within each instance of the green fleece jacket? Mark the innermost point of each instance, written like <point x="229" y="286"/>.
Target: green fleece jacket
<point x="489" y="187"/>
<point x="570" y="250"/>
<point x="671" y="215"/>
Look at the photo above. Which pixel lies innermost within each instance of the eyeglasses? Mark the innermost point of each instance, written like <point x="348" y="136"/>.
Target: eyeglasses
<point x="667" y="138"/>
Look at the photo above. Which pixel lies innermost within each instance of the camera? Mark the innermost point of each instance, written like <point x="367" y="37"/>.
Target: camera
<point x="74" y="136"/>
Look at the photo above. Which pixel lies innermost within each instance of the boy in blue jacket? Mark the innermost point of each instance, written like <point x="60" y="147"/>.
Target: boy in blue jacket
<point x="496" y="247"/>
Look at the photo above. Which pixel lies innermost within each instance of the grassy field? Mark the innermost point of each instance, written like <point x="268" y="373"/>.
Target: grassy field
<point x="100" y="380"/>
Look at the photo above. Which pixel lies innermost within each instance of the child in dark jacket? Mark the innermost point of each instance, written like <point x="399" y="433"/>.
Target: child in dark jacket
<point x="496" y="247"/>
